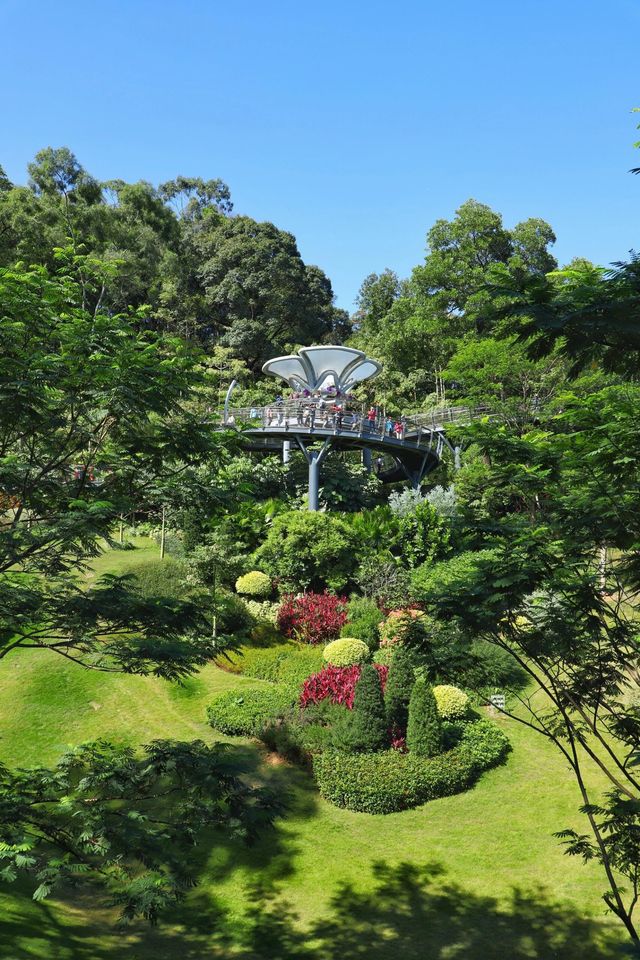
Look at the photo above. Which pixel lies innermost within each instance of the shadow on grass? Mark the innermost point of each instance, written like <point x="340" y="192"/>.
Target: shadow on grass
<point x="409" y="912"/>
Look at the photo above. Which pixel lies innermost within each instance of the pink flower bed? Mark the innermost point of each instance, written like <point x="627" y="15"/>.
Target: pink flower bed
<point x="312" y="617"/>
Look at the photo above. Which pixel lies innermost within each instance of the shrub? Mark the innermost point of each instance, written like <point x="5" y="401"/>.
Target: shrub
<point x="363" y="617"/>
<point x="345" y="651"/>
<point x="312" y="617"/>
<point x="452" y="702"/>
<point x="384" y="581"/>
<point x="385" y="655"/>
<point x="336" y="683"/>
<point x="388" y="781"/>
<point x="424" y="729"/>
<point x="308" y="551"/>
<point x="398" y="626"/>
<point x="254" y="584"/>
<point x="398" y="690"/>
<point x="232" y="616"/>
<point x="247" y="712"/>
<point x="363" y="729"/>
<point x="159" y="578"/>
<point x="262" y="610"/>
<point x="289" y="663"/>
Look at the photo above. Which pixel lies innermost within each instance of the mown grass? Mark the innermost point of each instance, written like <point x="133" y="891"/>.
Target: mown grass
<point x="474" y="876"/>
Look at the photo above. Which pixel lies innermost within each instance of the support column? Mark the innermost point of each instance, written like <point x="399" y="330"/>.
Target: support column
<point x="366" y="458"/>
<point x="314" y="479"/>
<point x="286" y="450"/>
<point x="457" y="462"/>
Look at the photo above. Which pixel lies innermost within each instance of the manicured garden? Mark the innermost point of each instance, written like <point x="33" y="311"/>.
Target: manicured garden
<point x="451" y="871"/>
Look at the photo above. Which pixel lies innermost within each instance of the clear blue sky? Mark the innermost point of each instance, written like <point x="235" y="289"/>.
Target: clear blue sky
<point x="353" y="124"/>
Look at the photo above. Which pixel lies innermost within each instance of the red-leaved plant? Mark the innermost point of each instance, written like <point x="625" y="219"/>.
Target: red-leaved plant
<point x="312" y="617"/>
<point x="337" y="683"/>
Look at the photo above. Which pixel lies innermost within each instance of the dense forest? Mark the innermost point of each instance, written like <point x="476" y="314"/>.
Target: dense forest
<point x="125" y="311"/>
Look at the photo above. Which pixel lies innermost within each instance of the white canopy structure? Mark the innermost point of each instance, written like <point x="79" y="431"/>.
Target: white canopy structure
<point x="315" y="368"/>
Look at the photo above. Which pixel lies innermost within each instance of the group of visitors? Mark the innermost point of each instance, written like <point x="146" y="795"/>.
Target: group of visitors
<point x="328" y="410"/>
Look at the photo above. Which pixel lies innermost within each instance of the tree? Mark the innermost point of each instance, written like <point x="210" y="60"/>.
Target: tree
<point x="308" y="551"/>
<point x="398" y="689"/>
<point x="377" y="294"/>
<point x="94" y="417"/>
<point x="364" y="727"/>
<point x="424" y="728"/>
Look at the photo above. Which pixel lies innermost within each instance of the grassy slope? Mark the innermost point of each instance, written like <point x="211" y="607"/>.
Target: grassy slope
<point x="488" y="842"/>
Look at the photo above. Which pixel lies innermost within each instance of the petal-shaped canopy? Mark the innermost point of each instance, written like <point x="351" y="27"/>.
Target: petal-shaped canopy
<point x="315" y="367"/>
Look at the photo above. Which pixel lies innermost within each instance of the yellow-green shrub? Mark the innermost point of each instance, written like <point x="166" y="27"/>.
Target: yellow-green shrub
<point x="345" y="651"/>
<point x="452" y="702"/>
<point x="254" y="584"/>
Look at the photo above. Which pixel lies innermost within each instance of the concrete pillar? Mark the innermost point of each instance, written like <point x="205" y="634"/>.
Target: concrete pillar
<point x="366" y="458"/>
<point x="286" y="450"/>
<point x="457" y="462"/>
<point x="314" y="479"/>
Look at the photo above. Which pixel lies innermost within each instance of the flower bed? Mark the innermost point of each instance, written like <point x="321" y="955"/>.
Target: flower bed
<point x="337" y="683"/>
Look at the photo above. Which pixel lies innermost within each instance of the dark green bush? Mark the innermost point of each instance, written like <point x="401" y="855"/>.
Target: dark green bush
<point x="424" y="727"/>
<point x="389" y="781"/>
<point x="248" y="712"/>
<point x="397" y="693"/>
<point x="364" y="727"/>
<point x="232" y="615"/>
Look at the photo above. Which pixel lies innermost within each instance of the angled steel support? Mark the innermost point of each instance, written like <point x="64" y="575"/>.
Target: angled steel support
<point x="314" y="458"/>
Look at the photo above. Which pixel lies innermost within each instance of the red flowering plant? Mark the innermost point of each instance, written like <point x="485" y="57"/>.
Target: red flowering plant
<point x="312" y="617"/>
<point x="336" y="683"/>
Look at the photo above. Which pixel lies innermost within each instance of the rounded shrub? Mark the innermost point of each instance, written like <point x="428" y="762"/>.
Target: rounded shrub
<point x="452" y="702"/>
<point x="345" y="651"/>
<point x="254" y="584"/>
<point x="424" y="728"/>
<point x="159" y="578"/>
<point x="388" y="781"/>
<point x="248" y="712"/>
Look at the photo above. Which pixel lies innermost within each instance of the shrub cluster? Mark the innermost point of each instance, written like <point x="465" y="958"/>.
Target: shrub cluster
<point x="248" y="712"/>
<point x="364" y="727"/>
<point x="289" y="662"/>
<point x="389" y="781"/>
<point x="336" y="683"/>
<point x="452" y="702"/>
<point x="363" y="617"/>
<point x="345" y="651"/>
<point x="312" y="617"/>
<point x="397" y="627"/>
<point x="254" y="584"/>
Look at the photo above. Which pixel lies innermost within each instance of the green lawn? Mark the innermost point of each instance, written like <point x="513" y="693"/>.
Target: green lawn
<point x="473" y="876"/>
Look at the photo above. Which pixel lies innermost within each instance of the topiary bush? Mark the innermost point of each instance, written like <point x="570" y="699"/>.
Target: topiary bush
<point x="398" y="690"/>
<point x="263" y="611"/>
<point x="452" y="703"/>
<point x="254" y="584"/>
<point x="389" y="781"/>
<point x="345" y="651"/>
<point x="312" y="617"/>
<point x="363" y="729"/>
<point x="159" y="578"/>
<point x="248" y="712"/>
<point x="424" y="728"/>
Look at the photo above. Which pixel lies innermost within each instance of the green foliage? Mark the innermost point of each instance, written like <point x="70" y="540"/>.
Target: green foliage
<point x="402" y="627"/>
<point x="364" y="615"/>
<point x="364" y="727"/>
<point x="101" y="816"/>
<point x="345" y="651"/>
<point x="288" y="663"/>
<point x="389" y="781"/>
<point x="452" y="703"/>
<point x="385" y="655"/>
<point x="254" y="584"/>
<point x="383" y="580"/>
<point x="425" y="535"/>
<point x="247" y="712"/>
<point x="397" y="693"/>
<point x="308" y="551"/>
<point x="159" y="578"/>
<point x="424" y="728"/>
<point x="263" y="611"/>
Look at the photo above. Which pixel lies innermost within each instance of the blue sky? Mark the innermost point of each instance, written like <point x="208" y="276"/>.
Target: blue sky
<point x="354" y="125"/>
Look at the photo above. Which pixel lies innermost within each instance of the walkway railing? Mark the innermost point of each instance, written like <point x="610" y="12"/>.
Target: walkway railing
<point x="308" y="416"/>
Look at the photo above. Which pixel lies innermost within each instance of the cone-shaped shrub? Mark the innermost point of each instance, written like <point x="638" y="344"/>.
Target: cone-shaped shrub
<point x="398" y="689"/>
<point x="364" y="728"/>
<point x="424" y="729"/>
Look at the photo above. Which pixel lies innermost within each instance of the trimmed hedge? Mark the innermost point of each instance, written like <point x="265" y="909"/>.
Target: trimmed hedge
<point x="391" y="781"/>
<point x="254" y="584"/>
<point x="248" y="712"/>
<point x="453" y="703"/>
<point x="346" y="651"/>
<point x="288" y="662"/>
